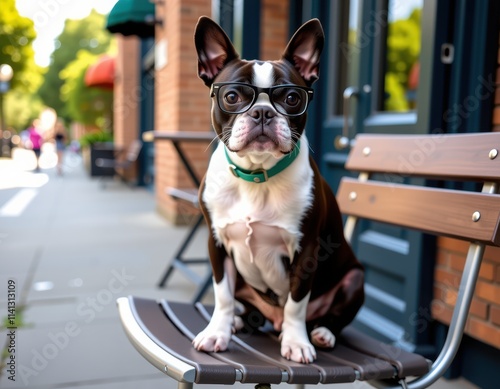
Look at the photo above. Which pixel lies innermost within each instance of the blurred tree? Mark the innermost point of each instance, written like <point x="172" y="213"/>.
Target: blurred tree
<point x="403" y="51"/>
<point x="86" y="34"/>
<point x="16" y="36"/>
<point x="90" y="106"/>
<point x="21" y="108"/>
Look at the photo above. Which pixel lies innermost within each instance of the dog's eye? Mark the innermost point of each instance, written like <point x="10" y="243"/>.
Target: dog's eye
<point x="292" y="99"/>
<point x="231" y="98"/>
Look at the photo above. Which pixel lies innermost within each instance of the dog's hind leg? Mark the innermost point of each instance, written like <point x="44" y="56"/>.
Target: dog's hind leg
<point x="335" y="309"/>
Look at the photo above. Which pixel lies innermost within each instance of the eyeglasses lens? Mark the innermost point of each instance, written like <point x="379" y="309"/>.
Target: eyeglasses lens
<point x="289" y="100"/>
<point x="235" y="98"/>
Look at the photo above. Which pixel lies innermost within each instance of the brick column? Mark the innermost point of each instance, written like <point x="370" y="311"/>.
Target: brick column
<point x="181" y="100"/>
<point x="126" y="93"/>
<point x="273" y="28"/>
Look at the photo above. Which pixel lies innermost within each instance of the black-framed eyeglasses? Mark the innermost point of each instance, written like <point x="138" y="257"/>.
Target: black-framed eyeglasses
<point x="239" y="97"/>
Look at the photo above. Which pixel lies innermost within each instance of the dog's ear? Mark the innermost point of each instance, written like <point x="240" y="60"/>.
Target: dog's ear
<point x="304" y="49"/>
<point x="214" y="49"/>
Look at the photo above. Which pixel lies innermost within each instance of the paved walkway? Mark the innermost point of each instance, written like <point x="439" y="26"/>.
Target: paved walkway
<point x="68" y="249"/>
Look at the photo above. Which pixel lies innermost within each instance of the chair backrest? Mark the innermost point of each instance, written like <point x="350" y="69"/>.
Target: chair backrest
<point x="133" y="150"/>
<point x="466" y="215"/>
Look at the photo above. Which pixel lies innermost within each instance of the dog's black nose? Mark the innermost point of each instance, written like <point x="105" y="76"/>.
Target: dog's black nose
<point x="262" y="114"/>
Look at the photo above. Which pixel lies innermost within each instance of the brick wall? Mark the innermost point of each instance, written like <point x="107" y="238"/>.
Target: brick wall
<point x="484" y="317"/>
<point x="126" y="97"/>
<point x="182" y="101"/>
<point x="274" y="28"/>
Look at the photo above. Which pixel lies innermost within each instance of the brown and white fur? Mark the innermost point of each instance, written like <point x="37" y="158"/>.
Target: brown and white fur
<point x="278" y="246"/>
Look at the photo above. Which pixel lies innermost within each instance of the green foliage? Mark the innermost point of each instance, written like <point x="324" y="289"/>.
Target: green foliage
<point x="403" y="51"/>
<point x="20" y="109"/>
<point x="87" y="34"/>
<point x="397" y="100"/>
<point x="95" y="137"/>
<point x="16" y="36"/>
<point x="91" y="106"/>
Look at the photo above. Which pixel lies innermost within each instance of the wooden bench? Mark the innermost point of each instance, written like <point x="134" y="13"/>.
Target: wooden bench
<point x="162" y="330"/>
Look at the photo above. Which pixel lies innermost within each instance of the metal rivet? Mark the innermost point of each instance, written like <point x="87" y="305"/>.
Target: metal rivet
<point x="256" y="179"/>
<point x="476" y="216"/>
<point x="353" y="196"/>
<point x="493" y="153"/>
<point x="367" y="151"/>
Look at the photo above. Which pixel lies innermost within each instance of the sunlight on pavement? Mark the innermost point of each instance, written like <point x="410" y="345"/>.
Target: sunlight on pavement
<point x="18" y="172"/>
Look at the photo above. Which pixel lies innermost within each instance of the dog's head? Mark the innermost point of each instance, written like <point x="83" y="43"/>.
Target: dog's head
<point x="259" y="107"/>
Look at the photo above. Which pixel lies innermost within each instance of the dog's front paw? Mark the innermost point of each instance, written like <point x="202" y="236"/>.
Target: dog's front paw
<point x="322" y="337"/>
<point x="212" y="340"/>
<point x="297" y="349"/>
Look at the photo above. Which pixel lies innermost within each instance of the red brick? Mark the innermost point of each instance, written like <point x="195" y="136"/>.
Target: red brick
<point x="495" y="315"/>
<point x="492" y="254"/>
<point x="274" y="28"/>
<point x="487" y="271"/>
<point x="442" y="258"/>
<point x="457" y="261"/>
<point x="450" y="296"/>
<point x="454" y="245"/>
<point x="483" y="331"/>
<point x="448" y="279"/>
<point x="488" y="291"/>
<point x="441" y="311"/>
<point x="479" y="309"/>
<point x="496" y="115"/>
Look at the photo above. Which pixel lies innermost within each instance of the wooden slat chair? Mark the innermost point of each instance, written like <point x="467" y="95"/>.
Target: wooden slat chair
<point x="162" y="331"/>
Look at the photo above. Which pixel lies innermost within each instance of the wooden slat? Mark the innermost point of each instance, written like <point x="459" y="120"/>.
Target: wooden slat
<point x="438" y="211"/>
<point x="151" y="318"/>
<point x="465" y="156"/>
<point x="407" y="364"/>
<point x="180" y="136"/>
<point x="256" y="367"/>
<point x="336" y="366"/>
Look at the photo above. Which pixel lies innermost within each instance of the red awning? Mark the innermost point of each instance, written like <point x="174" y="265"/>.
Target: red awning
<point x="102" y="73"/>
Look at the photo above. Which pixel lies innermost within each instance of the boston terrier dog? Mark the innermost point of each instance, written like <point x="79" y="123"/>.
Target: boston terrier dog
<point x="276" y="242"/>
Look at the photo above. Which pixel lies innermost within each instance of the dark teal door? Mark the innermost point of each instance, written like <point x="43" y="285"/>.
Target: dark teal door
<point x="147" y="112"/>
<point x="378" y="76"/>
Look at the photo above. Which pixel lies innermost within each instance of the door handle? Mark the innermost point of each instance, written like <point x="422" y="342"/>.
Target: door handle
<point x="344" y="141"/>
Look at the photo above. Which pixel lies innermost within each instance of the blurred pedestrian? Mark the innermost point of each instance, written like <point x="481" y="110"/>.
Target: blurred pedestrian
<point x="35" y="142"/>
<point x="60" y="139"/>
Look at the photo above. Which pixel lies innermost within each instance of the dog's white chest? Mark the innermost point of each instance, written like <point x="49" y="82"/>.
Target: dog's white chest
<point x="259" y="224"/>
<point x="259" y="251"/>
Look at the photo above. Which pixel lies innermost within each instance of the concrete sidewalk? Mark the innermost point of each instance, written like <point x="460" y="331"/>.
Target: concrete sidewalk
<point x="68" y="249"/>
<point x="71" y="252"/>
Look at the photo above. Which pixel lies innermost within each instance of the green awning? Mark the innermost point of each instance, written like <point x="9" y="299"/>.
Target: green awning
<point x="132" y="17"/>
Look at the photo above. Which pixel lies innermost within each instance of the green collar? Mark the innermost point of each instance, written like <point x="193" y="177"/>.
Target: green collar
<point x="260" y="175"/>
